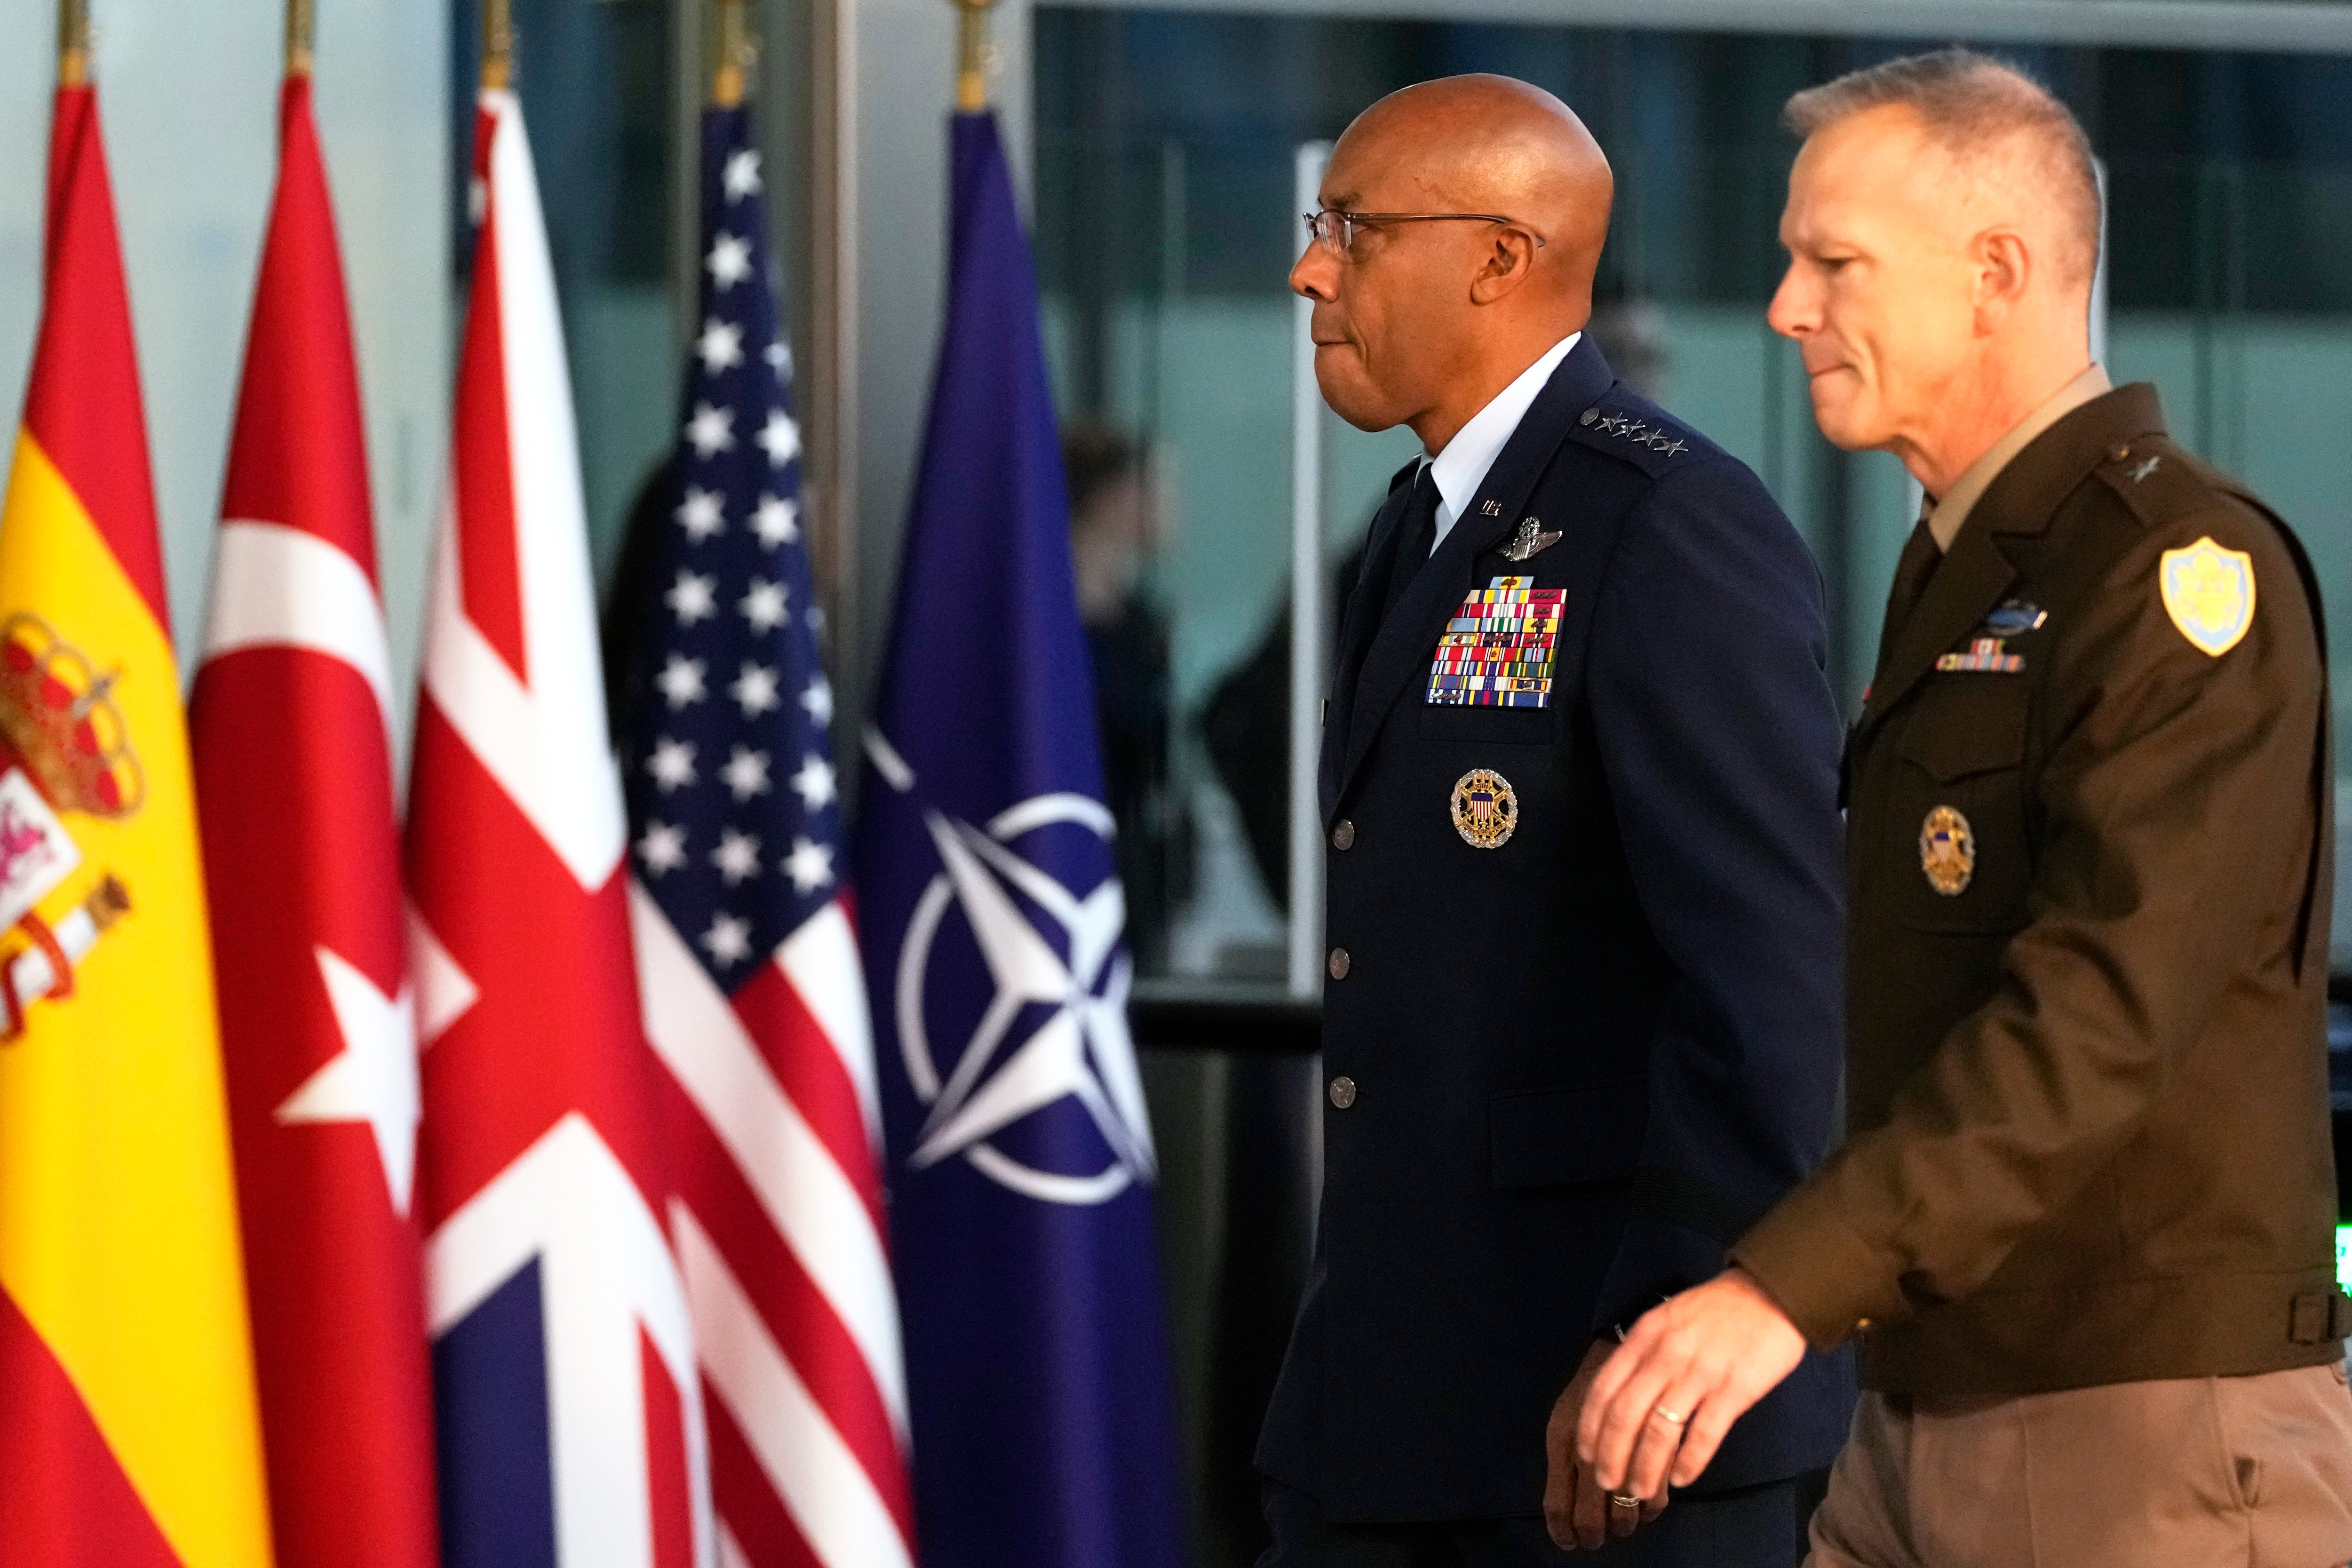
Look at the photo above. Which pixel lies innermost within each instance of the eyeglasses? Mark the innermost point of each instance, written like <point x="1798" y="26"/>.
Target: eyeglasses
<point x="1335" y="231"/>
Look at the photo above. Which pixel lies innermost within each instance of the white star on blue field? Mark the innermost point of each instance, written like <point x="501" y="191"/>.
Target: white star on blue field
<point x="730" y="775"/>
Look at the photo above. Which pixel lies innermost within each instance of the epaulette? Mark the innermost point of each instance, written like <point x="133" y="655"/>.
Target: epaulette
<point x="2159" y="484"/>
<point x="1647" y="440"/>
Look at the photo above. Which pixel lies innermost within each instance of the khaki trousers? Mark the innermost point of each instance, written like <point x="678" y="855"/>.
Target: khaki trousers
<point x="2246" y="1472"/>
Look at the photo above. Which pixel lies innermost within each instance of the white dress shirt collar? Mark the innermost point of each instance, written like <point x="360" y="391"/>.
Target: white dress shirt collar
<point x="1462" y="467"/>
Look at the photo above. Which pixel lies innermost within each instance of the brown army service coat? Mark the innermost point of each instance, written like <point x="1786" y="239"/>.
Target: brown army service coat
<point x="2088" y="1090"/>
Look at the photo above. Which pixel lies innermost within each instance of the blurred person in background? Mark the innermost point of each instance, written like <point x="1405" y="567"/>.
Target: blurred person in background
<point x="1246" y="726"/>
<point x="1116" y="527"/>
<point x="2081" y="1223"/>
<point x="622" y="619"/>
<point x="1578" y="786"/>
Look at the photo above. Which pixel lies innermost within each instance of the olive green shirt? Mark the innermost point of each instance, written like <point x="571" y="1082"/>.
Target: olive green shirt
<point x="1948" y="511"/>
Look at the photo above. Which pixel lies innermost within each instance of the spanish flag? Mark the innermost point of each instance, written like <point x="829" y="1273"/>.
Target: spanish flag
<point x="128" y="1432"/>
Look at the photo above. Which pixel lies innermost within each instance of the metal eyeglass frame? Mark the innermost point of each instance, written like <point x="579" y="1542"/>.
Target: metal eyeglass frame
<point x="1344" y="240"/>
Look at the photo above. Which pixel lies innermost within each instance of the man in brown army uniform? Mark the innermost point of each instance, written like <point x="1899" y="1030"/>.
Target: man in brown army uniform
<point x="2082" y="1219"/>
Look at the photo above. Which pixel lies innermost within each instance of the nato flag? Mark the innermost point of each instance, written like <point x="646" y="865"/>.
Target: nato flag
<point x="1020" y="1153"/>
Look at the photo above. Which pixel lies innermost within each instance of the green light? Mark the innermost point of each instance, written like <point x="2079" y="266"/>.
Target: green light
<point x="2344" y="1256"/>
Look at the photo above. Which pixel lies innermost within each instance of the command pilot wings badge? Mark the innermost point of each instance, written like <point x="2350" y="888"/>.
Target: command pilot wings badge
<point x="1532" y="538"/>
<point x="2208" y="591"/>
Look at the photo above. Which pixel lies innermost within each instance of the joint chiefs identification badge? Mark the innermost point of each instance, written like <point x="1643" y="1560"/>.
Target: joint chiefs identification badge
<point x="1485" y="808"/>
<point x="1948" y="851"/>
<point x="2208" y="591"/>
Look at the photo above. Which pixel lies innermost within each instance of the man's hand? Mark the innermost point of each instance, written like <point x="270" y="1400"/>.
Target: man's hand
<point x="1690" y="1368"/>
<point x="1577" y="1509"/>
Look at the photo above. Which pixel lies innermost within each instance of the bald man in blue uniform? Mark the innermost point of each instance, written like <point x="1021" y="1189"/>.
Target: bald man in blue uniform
<point x="1578" y="786"/>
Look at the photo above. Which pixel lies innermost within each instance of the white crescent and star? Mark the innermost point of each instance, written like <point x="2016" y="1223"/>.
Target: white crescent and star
<point x="285" y="588"/>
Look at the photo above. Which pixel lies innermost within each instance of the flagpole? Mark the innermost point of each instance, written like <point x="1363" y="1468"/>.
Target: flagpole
<point x="730" y="81"/>
<point x="498" y="46"/>
<point x="73" y="42"/>
<point x="973" y="55"/>
<point x="301" y="32"/>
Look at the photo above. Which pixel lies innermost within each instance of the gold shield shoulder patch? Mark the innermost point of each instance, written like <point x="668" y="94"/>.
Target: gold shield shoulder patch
<point x="1948" y="851"/>
<point x="2208" y="591"/>
<point x="1485" y="808"/>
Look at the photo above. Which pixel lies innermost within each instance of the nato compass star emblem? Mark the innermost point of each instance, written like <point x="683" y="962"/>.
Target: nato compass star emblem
<point x="1055" y="1028"/>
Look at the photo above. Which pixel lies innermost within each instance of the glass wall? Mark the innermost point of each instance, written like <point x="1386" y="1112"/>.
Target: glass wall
<point x="189" y="98"/>
<point x="1166" y="224"/>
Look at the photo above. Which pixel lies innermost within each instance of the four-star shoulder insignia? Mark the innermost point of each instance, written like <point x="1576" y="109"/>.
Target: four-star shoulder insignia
<point x="1640" y="432"/>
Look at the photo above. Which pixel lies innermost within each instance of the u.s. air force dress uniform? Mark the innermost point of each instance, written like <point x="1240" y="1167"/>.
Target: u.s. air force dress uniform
<point x="2086" y="1208"/>
<point x="1581" y="1019"/>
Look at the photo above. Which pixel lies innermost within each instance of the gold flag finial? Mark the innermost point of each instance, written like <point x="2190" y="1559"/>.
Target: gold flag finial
<point x="974" y="54"/>
<point x="301" y="31"/>
<point x="731" y="80"/>
<point x="498" y="45"/>
<point x="73" y="42"/>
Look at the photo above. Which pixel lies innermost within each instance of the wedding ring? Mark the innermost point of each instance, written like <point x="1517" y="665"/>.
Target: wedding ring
<point x="1622" y="1499"/>
<point x="1662" y="1413"/>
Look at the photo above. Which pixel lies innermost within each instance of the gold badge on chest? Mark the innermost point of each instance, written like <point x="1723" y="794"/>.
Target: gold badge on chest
<point x="1948" y="851"/>
<point x="1485" y="808"/>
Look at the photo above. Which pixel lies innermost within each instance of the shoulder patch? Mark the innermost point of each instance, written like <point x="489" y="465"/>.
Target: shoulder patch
<point x="1643" y="438"/>
<point x="2208" y="591"/>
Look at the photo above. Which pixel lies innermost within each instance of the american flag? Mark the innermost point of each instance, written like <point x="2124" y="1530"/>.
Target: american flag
<point x="752" y="990"/>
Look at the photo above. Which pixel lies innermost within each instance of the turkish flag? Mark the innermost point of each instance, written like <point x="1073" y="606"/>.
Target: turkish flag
<point x="292" y="722"/>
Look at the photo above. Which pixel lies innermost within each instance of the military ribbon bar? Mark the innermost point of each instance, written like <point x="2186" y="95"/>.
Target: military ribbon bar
<point x="1987" y="655"/>
<point x="1497" y="649"/>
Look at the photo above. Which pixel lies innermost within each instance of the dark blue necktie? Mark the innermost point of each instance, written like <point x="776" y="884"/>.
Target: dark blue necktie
<point x="1415" y="538"/>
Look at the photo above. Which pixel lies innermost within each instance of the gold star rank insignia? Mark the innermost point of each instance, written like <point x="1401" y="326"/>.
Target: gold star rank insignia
<point x="2208" y="591"/>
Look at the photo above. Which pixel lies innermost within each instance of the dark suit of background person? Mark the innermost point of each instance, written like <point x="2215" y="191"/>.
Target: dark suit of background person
<point x="1564" y="1073"/>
